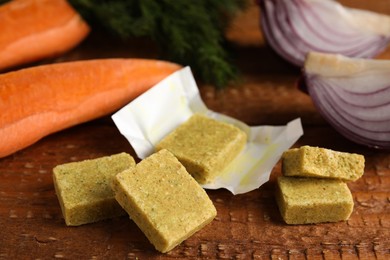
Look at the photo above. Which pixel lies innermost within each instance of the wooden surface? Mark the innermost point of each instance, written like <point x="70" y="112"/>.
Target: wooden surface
<point x="248" y="225"/>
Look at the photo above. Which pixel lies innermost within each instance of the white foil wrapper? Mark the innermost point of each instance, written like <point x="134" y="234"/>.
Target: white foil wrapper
<point x="157" y="112"/>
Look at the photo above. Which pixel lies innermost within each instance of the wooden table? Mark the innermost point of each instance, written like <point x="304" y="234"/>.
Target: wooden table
<point x="248" y="225"/>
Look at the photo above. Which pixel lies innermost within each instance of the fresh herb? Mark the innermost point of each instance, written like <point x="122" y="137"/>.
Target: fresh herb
<point x="187" y="32"/>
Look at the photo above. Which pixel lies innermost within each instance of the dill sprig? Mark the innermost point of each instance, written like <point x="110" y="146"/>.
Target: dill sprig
<point x="187" y="32"/>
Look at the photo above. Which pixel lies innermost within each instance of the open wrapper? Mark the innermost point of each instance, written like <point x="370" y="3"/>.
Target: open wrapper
<point x="157" y="112"/>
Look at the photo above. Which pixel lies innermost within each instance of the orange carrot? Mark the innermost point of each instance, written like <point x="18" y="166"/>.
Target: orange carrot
<point x="31" y="30"/>
<point x="41" y="100"/>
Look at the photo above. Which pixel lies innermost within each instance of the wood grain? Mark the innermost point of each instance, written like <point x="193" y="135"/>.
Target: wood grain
<point x="247" y="226"/>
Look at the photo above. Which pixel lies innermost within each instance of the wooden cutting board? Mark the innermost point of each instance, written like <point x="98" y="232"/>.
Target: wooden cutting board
<point x="248" y="226"/>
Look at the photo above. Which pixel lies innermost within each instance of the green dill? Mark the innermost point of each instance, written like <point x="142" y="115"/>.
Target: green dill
<point x="190" y="33"/>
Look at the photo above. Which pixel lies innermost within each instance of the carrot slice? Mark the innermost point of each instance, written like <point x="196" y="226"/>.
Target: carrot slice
<point x="35" y="29"/>
<point x="41" y="100"/>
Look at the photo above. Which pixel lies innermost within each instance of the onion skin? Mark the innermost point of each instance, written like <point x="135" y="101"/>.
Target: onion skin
<point x="295" y="27"/>
<point x="353" y="95"/>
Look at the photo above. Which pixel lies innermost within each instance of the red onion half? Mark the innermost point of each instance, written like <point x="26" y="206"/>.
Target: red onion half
<point x="295" y="27"/>
<point x="352" y="94"/>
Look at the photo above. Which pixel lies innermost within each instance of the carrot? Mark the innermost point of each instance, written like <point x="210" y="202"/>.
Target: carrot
<point x="41" y="100"/>
<point x="31" y="30"/>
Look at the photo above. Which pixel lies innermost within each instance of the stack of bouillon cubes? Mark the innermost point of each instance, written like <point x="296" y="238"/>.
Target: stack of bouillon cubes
<point x="313" y="187"/>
